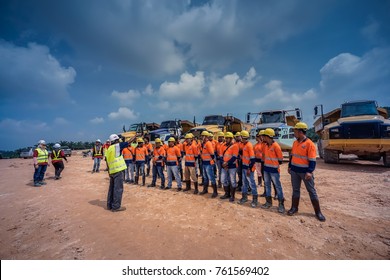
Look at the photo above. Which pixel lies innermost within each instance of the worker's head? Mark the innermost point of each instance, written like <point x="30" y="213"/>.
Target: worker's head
<point x="211" y="136"/>
<point x="244" y="136"/>
<point x="140" y="142"/>
<point x="114" y="138"/>
<point x="237" y="137"/>
<point x="146" y="140"/>
<point x="204" y="135"/>
<point x="221" y="136"/>
<point x="171" y="142"/>
<point x="189" y="137"/>
<point x="56" y="146"/>
<point x="42" y="144"/>
<point x="300" y="130"/>
<point x="228" y="137"/>
<point x="158" y="142"/>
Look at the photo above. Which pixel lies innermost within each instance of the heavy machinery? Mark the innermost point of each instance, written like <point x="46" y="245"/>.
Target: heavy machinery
<point x="170" y="128"/>
<point x="138" y="129"/>
<point x="216" y="123"/>
<point x="359" y="127"/>
<point x="281" y="121"/>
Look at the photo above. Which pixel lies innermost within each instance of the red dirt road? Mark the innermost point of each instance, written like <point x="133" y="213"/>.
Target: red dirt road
<point x="67" y="219"/>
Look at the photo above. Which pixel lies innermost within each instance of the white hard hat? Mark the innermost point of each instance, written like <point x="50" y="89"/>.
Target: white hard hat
<point x="98" y="140"/>
<point x="56" y="145"/>
<point x="113" y="137"/>
<point x="42" y="142"/>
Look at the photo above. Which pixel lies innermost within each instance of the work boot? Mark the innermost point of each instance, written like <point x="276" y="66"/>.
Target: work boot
<point x="205" y="189"/>
<point x="227" y="192"/>
<point x="136" y="180"/>
<point x="215" y="191"/>
<point x="162" y="186"/>
<point x="268" y="203"/>
<point x="143" y="180"/>
<point x="179" y="189"/>
<point x="317" y="210"/>
<point x="243" y="199"/>
<point x="281" y="208"/>
<point x="152" y="185"/>
<point x="232" y="194"/>
<point x="119" y="209"/>
<point x="188" y="186"/>
<point x="294" y="206"/>
<point x="254" y="201"/>
<point x="196" y="188"/>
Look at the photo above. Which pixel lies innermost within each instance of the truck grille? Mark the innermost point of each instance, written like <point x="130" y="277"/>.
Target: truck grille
<point x="369" y="130"/>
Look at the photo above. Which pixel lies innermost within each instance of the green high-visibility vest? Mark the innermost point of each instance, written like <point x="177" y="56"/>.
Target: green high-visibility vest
<point x="115" y="160"/>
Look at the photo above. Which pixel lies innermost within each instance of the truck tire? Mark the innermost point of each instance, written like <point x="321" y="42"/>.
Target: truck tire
<point x="370" y="157"/>
<point x="386" y="159"/>
<point x="331" y="156"/>
<point x="320" y="149"/>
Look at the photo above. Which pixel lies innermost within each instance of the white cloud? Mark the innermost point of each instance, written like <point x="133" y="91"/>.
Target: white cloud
<point x="60" y="121"/>
<point x="33" y="73"/>
<point x="97" y="120"/>
<point x="349" y="77"/>
<point x="277" y="96"/>
<point x="189" y="87"/>
<point x="161" y="105"/>
<point x="22" y="126"/>
<point x="126" y="98"/>
<point x="148" y="90"/>
<point x="230" y="86"/>
<point x="123" y="113"/>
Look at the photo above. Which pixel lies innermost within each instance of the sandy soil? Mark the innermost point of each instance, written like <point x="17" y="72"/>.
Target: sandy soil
<point x="67" y="219"/>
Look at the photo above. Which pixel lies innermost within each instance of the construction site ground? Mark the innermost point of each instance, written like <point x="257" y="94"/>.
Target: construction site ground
<point x="67" y="218"/>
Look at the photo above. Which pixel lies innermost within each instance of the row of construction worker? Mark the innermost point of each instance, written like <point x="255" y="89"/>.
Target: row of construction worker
<point x="223" y="155"/>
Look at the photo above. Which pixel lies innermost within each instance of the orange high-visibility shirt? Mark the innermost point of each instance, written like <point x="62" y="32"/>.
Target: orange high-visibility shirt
<point x="230" y="151"/>
<point x="206" y="153"/>
<point x="157" y="152"/>
<point x="302" y="153"/>
<point x="258" y="152"/>
<point x="127" y="153"/>
<point x="173" y="154"/>
<point x="140" y="154"/>
<point x="247" y="155"/>
<point x="191" y="152"/>
<point x="272" y="155"/>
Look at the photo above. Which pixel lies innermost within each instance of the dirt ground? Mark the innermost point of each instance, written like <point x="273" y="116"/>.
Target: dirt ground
<point x="67" y="219"/>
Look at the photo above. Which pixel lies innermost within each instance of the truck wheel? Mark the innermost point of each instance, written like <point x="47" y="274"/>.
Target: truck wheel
<point x="320" y="149"/>
<point x="331" y="156"/>
<point x="386" y="159"/>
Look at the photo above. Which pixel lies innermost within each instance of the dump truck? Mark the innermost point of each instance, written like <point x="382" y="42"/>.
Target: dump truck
<point x="170" y="128"/>
<point x="357" y="127"/>
<point x="217" y="123"/>
<point x="281" y="121"/>
<point x="138" y="129"/>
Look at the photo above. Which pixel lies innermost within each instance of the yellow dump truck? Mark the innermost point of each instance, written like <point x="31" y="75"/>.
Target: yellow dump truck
<point x="138" y="129"/>
<point x="359" y="127"/>
<point x="217" y="123"/>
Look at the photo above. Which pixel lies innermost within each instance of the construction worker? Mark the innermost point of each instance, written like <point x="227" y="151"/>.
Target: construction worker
<point x="140" y="154"/>
<point x="218" y="153"/>
<point x="41" y="161"/>
<point x="214" y="142"/>
<point x="128" y="156"/>
<point x="199" y="165"/>
<point x="273" y="157"/>
<point x="173" y="156"/>
<point x="191" y="152"/>
<point x="56" y="159"/>
<point x="181" y="149"/>
<point x="116" y="166"/>
<point x="262" y="146"/>
<point x="97" y="155"/>
<point x="248" y="168"/>
<point x="237" y="138"/>
<point x="105" y="148"/>
<point x="207" y="155"/>
<point x="229" y="167"/>
<point x="301" y="167"/>
<point x="258" y="149"/>
<point x="159" y="157"/>
<point x="149" y="147"/>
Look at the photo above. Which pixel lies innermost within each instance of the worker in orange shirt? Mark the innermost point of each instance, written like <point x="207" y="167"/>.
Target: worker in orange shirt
<point x="128" y="156"/>
<point x="218" y="155"/>
<point x="229" y="167"/>
<point x="207" y="155"/>
<point x="149" y="147"/>
<point x="237" y="139"/>
<point x="248" y="168"/>
<point x="258" y="149"/>
<point x="191" y="152"/>
<point x="159" y="156"/>
<point x="181" y="149"/>
<point x="173" y="157"/>
<point x="301" y="167"/>
<point x="140" y="154"/>
<point x="273" y="157"/>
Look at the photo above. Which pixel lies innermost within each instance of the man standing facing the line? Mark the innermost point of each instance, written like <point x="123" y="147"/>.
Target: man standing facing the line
<point x="301" y="167"/>
<point x="41" y="161"/>
<point x="97" y="155"/>
<point x="56" y="159"/>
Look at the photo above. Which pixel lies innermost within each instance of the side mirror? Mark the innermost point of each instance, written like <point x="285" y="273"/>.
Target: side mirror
<point x="316" y="111"/>
<point x="299" y="116"/>
<point x="248" y="118"/>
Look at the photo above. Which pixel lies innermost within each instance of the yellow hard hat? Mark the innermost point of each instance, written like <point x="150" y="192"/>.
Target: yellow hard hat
<point x="244" y="134"/>
<point x="228" y="135"/>
<point x="220" y="134"/>
<point x="211" y="134"/>
<point x="301" y="125"/>
<point x="171" y="139"/>
<point x="157" y="140"/>
<point x="205" y="133"/>
<point x="237" y="134"/>
<point x="189" y="136"/>
<point x="140" y="140"/>
<point x="269" y="132"/>
<point x="261" y="132"/>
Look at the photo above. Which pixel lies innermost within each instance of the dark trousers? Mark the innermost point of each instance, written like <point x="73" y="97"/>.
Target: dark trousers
<point x="39" y="173"/>
<point x="115" y="191"/>
<point x="158" y="170"/>
<point x="58" y="166"/>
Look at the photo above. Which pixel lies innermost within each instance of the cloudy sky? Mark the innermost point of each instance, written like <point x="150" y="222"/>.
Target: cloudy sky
<point x="80" y="70"/>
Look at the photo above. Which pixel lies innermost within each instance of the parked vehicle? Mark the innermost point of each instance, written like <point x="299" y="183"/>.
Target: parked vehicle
<point x="138" y="129"/>
<point x="27" y="153"/>
<point x="67" y="151"/>
<point x="170" y="128"/>
<point x="359" y="127"/>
